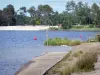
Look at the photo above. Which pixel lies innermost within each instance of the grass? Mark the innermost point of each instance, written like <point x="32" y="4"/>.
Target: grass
<point x="59" y="41"/>
<point x="66" y="71"/>
<point x="77" y="54"/>
<point x="84" y="27"/>
<point x="84" y="63"/>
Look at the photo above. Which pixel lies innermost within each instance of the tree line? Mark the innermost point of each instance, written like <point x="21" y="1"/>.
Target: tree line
<point x="75" y="14"/>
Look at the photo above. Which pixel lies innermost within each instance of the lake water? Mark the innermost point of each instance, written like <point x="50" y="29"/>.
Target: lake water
<point x="18" y="47"/>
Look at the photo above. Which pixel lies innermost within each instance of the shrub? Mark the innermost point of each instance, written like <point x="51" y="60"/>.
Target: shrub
<point x="81" y="52"/>
<point x="66" y="25"/>
<point x="38" y="22"/>
<point x="74" y="42"/>
<point x="59" y="41"/>
<point x="98" y="37"/>
<point x="77" y="54"/>
<point x="66" y="71"/>
<point x="50" y="42"/>
<point x="78" y="26"/>
<point x="67" y="56"/>
<point x="53" y="28"/>
<point x="91" y="26"/>
<point x="70" y="58"/>
<point x="86" y="62"/>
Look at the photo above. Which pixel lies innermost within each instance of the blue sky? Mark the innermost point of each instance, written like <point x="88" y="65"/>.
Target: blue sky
<point x="57" y="5"/>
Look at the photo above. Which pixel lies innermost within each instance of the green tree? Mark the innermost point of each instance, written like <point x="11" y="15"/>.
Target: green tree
<point x="32" y="12"/>
<point x="95" y="13"/>
<point x="23" y="11"/>
<point x="9" y="15"/>
<point x="45" y="12"/>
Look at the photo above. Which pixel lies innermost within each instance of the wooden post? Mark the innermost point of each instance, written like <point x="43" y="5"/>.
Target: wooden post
<point x="47" y="36"/>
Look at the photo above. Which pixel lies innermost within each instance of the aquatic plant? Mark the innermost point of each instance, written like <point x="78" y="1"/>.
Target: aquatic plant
<point x="60" y="41"/>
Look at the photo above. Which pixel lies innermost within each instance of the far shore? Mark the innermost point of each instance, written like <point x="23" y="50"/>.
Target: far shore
<point x="28" y="28"/>
<point x="42" y="27"/>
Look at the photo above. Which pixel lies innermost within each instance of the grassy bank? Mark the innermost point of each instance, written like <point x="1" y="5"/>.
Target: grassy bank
<point x="78" y="28"/>
<point x="75" y="62"/>
<point x="85" y="29"/>
<point x="60" y="41"/>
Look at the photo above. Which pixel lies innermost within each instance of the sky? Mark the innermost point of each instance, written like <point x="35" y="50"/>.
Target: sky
<point x="57" y="5"/>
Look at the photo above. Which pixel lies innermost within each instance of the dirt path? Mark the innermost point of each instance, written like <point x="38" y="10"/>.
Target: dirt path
<point x="42" y="64"/>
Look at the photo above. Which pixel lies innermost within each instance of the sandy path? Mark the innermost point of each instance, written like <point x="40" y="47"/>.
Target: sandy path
<point x="42" y="64"/>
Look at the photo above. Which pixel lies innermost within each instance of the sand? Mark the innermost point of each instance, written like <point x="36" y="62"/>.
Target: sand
<point x="35" y="28"/>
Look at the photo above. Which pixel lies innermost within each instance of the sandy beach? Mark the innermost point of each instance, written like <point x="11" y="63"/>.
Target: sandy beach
<point x="35" y="28"/>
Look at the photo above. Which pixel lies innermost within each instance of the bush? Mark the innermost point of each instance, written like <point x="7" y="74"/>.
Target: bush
<point x="74" y="42"/>
<point x="91" y="26"/>
<point x="53" y="28"/>
<point x="38" y="22"/>
<point x="66" y="71"/>
<point x="98" y="37"/>
<point x="77" y="54"/>
<point x="66" y="25"/>
<point x="50" y="42"/>
<point x="78" y="27"/>
<point x="86" y="62"/>
<point x="59" y="41"/>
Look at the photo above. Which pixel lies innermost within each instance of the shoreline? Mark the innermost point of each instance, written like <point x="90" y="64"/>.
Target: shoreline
<point x="25" y="65"/>
<point x="41" y="27"/>
<point x="36" y="60"/>
<point x="26" y="28"/>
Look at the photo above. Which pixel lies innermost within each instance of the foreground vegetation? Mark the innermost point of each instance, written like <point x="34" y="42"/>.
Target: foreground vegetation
<point x="59" y="42"/>
<point x="74" y="62"/>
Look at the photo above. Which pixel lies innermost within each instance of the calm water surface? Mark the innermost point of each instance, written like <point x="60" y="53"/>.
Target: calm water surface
<point x="18" y="47"/>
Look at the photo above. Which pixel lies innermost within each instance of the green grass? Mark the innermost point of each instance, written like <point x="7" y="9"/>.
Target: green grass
<point x="59" y="41"/>
<point x="84" y="27"/>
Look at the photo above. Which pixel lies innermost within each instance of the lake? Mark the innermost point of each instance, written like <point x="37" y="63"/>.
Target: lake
<point x="18" y="47"/>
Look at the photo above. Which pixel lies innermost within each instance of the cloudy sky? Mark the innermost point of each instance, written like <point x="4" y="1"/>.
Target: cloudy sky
<point x="57" y="5"/>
